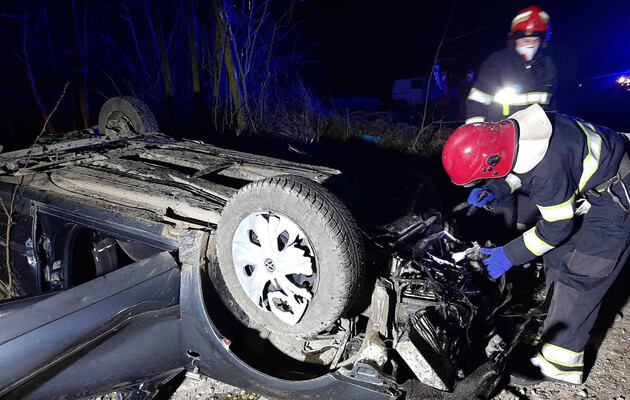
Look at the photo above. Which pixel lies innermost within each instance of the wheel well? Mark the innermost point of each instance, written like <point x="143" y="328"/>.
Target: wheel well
<point x="249" y="345"/>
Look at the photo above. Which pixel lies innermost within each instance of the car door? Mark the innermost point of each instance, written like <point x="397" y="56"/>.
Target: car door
<point x="19" y="258"/>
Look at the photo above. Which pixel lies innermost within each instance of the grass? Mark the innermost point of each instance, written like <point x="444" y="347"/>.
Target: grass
<point x="306" y="125"/>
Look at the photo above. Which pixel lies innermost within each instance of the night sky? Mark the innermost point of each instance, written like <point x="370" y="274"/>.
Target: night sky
<point x="332" y="48"/>
<point x="367" y="44"/>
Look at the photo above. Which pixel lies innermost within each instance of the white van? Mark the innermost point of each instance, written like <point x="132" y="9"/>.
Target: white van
<point x="409" y="91"/>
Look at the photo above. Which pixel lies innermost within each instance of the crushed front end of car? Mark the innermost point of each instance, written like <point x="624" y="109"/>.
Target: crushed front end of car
<point x="437" y="326"/>
<point x="447" y="323"/>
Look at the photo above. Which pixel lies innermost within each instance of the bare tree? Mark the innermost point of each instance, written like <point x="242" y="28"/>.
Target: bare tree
<point x="155" y="22"/>
<point x="225" y="50"/>
<point x="243" y="51"/>
<point x="192" y="46"/>
<point x="81" y="57"/>
<point x="6" y="288"/>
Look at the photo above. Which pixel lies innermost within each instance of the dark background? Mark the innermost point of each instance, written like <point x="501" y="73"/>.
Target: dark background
<point x="367" y="44"/>
<point x="341" y="48"/>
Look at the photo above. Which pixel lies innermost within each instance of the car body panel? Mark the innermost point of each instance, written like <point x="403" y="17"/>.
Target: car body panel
<point x="42" y="336"/>
<point x="157" y="174"/>
<point x="149" y="189"/>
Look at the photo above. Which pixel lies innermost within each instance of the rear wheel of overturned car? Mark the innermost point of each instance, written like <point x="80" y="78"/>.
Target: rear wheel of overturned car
<point x="290" y="256"/>
<point x="126" y="114"/>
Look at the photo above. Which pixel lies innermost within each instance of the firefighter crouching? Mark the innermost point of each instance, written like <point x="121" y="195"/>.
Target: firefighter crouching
<point x="568" y="165"/>
<point x="517" y="76"/>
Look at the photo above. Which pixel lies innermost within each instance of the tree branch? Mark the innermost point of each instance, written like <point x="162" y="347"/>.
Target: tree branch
<point x="7" y="287"/>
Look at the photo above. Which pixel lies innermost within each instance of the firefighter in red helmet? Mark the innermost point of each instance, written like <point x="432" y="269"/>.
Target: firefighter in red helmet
<point x="562" y="161"/>
<point x="510" y="80"/>
<point x="517" y="76"/>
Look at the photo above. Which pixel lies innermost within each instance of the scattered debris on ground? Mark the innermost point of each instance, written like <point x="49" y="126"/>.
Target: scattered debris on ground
<point x="210" y="389"/>
<point x="109" y="396"/>
<point x="608" y="378"/>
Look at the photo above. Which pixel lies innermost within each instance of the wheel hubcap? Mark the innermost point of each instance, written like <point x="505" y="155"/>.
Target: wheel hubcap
<point x="275" y="265"/>
<point x="269" y="265"/>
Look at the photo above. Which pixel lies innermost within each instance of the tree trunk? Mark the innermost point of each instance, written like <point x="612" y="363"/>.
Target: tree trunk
<point x="158" y="31"/>
<point x="80" y="35"/>
<point x="194" y="63"/>
<point x="231" y="71"/>
<point x="217" y="73"/>
<point x="219" y="44"/>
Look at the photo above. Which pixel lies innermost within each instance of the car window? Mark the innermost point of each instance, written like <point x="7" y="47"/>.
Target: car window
<point x="77" y="244"/>
<point x="94" y="253"/>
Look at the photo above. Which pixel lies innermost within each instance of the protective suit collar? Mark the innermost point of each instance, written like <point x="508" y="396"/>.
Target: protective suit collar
<point x="534" y="135"/>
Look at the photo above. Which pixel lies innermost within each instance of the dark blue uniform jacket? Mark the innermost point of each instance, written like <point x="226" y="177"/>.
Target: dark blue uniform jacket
<point x="580" y="157"/>
<point x="507" y="83"/>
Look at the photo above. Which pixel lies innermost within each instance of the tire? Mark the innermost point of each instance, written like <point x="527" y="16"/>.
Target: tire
<point x="126" y="114"/>
<point x="328" y="246"/>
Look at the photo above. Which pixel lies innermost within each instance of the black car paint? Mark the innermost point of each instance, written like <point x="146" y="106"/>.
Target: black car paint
<point x="43" y="343"/>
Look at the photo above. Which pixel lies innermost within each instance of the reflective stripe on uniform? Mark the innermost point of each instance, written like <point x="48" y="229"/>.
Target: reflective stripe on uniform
<point x="535" y="244"/>
<point x="562" y="356"/>
<point x="559" y="211"/>
<point x="513" y="181"/>
<point x="479" y="96"/>
<point x="560" y="363"/>
<point x="524" y="99"/>
<point x="474" y="119"/>
<point x="550" y="369"/>
<point x="591" y="161"/>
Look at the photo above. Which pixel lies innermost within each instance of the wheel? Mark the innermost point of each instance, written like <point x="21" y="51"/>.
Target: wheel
<point x="126" y="114"/>
<point x="290" y="256"/>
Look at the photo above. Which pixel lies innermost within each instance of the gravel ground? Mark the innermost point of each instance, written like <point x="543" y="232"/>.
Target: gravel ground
<point x="206" y="389"/>
<point x="608" y="378"/>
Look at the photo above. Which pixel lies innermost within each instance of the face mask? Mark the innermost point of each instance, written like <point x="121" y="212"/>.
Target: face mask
<point x="527" y="51"/>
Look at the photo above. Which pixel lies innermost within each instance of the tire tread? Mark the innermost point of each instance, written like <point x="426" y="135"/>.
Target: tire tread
<point x="341" y="228"/>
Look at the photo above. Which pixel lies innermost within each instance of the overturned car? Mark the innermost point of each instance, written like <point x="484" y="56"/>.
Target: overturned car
<point x="132" y="257"/>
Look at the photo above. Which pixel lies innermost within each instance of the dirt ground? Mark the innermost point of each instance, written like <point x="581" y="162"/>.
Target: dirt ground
<point x="608" y="379"/>
<point x="609" y="375"/>
<point x="206" y="389"/>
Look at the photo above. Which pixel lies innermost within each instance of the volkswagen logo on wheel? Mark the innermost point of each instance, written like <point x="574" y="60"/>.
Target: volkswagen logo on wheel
<point x="269" y="265"/>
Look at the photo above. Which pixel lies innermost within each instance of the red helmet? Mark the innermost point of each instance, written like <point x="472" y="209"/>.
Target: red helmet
<point x="480" y="150"/>
<point x="530" y="21"/>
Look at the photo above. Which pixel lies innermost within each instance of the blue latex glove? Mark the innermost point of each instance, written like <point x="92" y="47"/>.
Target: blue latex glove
<point x="498" y="263"/>
<point x="479" y="197"/>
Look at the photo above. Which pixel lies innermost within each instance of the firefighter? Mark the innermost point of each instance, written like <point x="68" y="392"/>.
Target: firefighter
<point x="508" y="81"/>
<point x="517" y="76"/>
<point x="563" y="162"/>
<point x="463" y="88"/>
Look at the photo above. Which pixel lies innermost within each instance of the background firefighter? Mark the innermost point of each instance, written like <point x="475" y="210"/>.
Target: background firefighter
<point x="517" y="76"/>
<point x="510" y="80"/>
<point x="560" y="160"/>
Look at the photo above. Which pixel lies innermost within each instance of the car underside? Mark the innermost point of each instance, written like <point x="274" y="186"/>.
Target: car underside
<point x="136" y="256"/>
